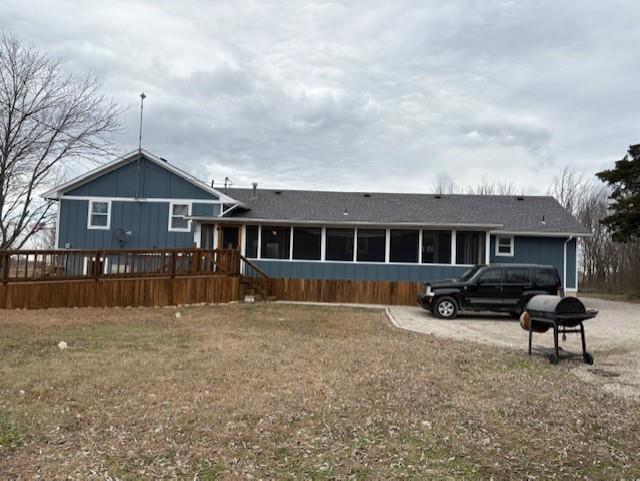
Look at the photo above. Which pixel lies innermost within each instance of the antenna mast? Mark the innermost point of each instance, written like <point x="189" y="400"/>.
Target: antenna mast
<point x="142" y="97"/>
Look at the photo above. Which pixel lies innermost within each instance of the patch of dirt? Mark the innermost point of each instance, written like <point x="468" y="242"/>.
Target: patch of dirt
<point x="613" y="338"/>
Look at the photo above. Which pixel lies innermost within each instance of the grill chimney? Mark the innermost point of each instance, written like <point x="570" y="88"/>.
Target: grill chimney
<point x="254" y="193"/>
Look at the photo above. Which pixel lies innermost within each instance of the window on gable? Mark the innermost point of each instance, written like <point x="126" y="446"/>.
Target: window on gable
<point x="99" y="213"/>
<point x="179" y="221"/>
<point x="504" y="246"/>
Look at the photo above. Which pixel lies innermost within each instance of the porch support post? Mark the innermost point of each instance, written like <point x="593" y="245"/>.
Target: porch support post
<point x="355" y="244"/>
<point x="323" y="244"/>
<point x="243" y="239"/>
<point x="453" y="246"/>
<point x="420" y="246"/>
<point x="487" y="248"/>
<point x="290" y="242"/>
<point x="259" y="241"/>
<point x="387" y="245"/>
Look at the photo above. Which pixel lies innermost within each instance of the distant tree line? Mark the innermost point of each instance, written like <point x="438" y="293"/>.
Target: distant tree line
<point x="608" y="205"/>
<point x="609" y="261"/>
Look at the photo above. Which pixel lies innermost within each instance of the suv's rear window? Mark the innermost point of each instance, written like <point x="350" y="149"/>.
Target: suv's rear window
<point x="546" y="277"/>
<point x="516" y="276"/>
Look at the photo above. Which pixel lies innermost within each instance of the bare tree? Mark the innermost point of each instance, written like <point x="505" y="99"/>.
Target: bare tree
<point x="604" y="265"/>
<point x="567" y="187"/>
<point x="46" y="117"/>
<point x="485" y="187"/>
<point x="445" y="187"/>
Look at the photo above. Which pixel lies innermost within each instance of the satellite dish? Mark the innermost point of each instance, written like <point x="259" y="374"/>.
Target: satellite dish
<point x="121" y="236"/>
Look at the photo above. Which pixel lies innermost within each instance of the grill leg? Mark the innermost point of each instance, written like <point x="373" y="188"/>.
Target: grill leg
<point x="586" y="357"/>
<point x="555" y="357"/>
<point x="530" y="334"/>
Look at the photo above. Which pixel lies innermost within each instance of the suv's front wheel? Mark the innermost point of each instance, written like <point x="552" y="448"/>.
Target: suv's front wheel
<point x="445" y="308"/>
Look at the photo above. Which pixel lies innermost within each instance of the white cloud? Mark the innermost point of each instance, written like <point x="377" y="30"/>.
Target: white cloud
<point x="360" y="95"/>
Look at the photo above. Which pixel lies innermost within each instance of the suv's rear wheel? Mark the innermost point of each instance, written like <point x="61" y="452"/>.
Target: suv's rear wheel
<point x="446" y="308"/>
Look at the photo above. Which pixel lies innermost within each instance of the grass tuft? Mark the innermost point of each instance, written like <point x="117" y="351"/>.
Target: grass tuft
<point x="10" y="436"/>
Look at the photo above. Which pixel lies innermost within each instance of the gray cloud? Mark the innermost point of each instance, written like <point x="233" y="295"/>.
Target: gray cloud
<point x="354" y="95"/>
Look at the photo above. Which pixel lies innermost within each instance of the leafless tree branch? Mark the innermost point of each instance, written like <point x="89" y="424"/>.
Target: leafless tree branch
<point x="46" y="118"/>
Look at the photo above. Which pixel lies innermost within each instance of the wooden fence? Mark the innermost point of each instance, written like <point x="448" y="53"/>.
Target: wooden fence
<point x="103" y="278"/>
<point x="345" y="291"/>
<point x="120" y="292"/>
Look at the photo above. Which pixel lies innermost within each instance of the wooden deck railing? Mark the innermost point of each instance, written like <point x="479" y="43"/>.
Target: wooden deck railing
<point x="71" y="264"/>
<point x="254" y="276"/>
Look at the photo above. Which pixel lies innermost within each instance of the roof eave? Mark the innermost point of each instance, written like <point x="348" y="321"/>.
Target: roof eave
<point x="543" y="233"/>
<point x="350" y="222"/>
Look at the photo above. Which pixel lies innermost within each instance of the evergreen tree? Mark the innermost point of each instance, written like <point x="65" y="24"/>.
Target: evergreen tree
<point x="624" y="217"/>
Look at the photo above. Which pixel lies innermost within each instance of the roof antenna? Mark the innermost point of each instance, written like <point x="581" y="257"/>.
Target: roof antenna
<point x="142" y="97"/>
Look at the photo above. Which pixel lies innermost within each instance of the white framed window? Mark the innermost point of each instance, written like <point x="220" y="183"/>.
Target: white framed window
<point x="99" y="216"/>
<point x="178" y="212"/>
<point x="504" y="245"/>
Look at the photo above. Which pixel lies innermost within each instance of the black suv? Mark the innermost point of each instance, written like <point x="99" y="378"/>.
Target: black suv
<point x="497" y="287"/>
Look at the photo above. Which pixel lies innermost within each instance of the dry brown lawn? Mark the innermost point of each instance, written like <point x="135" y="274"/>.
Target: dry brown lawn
<point x="290" y="392"/>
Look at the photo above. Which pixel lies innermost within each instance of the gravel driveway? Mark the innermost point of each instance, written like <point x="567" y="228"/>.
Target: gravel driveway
<point x="613" y="338"/>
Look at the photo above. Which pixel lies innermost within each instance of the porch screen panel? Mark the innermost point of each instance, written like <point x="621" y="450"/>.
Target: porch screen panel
<point x="371" y="245"/>
<point x="469" y="247"/>
<point x="339" y="244"/>
<point x="306" y="243"/>
<point x="404" y="246"/>
<point x="436" y="247"/>
<point x="252" y="241"/>
<point x="275" y="242"/>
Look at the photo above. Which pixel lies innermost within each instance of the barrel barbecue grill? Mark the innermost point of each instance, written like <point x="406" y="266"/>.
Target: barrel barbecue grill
<point x="563" y="314"/>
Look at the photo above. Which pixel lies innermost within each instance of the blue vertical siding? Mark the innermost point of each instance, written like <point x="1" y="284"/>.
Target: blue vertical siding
<point x="541" y="250"/>
<point x="359" y="271"/>
<point x="147" y="221"/>
<point x="153" y="182"/>
<point x="206" y="210"/>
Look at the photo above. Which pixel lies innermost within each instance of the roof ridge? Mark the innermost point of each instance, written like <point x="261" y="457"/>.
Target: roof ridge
<point x="372" y="192"/>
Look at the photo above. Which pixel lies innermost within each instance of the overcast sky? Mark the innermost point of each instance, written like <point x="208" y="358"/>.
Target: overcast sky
<point x="362" y="95"/>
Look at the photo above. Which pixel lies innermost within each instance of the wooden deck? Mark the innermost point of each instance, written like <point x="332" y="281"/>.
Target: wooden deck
<point x="105" y="278"/>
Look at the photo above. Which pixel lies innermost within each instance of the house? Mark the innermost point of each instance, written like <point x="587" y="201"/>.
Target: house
<point x="143" y="201"/>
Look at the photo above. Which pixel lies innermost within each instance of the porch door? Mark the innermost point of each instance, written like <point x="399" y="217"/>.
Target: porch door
<point x="229" y="237"/>
<point x="206" y="236"/>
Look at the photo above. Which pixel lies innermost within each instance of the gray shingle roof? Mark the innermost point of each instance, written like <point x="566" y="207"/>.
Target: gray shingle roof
<point x="505" y="213"/>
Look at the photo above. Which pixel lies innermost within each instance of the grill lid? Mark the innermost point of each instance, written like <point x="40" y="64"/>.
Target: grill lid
<point x="556" y="305"/>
